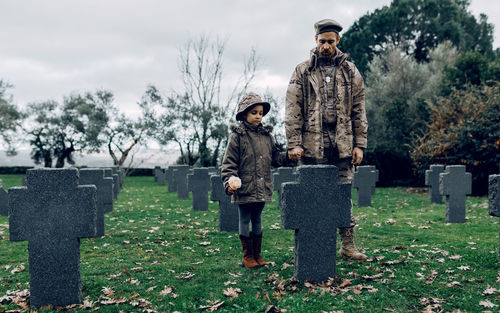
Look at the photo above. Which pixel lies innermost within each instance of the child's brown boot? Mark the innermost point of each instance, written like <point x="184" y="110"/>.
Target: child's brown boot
<point x="248" y="258"/>
<point x="257" y="244"/>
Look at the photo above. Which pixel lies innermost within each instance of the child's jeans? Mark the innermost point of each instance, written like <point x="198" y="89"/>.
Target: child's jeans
<point x="250" y="212"/>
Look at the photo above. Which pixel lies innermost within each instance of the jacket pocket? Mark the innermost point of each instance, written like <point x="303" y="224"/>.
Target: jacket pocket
<point x="247" y="183"/>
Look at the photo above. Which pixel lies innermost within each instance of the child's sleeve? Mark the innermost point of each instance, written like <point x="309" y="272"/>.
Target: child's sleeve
<point x="280" y="158"/>
<point x="231" y="161"/>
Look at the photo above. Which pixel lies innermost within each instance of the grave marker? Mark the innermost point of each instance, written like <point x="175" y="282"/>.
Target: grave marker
<point x="108" y="172"/>
<point x="104" y="185"/>
<point x="161" y="177"/>
<point x="170" y="179"/>
<point x="199" y="185"/>
<point x="156" y="170"/>
<point x="315" y="206"/>
<point x="365" y="179"/>
<point x="432" y="180"/>
<point x="4" y="201"/>
<point x="283" y="175"/>
<point x="455" y="184"/>
<point x="52" y="213"/>
<point x="180" y="179"/>
<point x="494" y="199"/>
<point x="228" y="212"/>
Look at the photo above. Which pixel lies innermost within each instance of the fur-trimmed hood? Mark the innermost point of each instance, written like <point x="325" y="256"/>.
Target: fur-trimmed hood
<point x="241" y="127"/>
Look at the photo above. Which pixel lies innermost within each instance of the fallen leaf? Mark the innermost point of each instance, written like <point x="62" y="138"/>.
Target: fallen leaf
<point x="232" y="292"/>
<point x="166" y="290"/>
<point x="18" y="269"/>
<point x="205" y="243"/>
<point x="487" y="304"/>
<point x="213" y="305"/>
<point x="108" y="291"/>
<point x="489" y="291"/>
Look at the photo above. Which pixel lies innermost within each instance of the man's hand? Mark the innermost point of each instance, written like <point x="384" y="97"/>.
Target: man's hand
<point x="230" y="190"/>
<point x="295" y="154"/>
<point x="357" y="156"/>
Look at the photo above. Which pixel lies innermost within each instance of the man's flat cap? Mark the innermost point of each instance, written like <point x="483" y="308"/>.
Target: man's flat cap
<point x="327" y="25"/>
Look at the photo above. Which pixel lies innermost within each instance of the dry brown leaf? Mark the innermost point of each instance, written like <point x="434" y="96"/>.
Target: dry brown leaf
<point x="232" y="292"/>
<point x="166" y="290"/>
<point x="487" y="304"/>
<point x="213" y="305"/>
<point x="227" y="283"/>
<point x="108" y="291"/>
<point x="18" y="269"/>
<point x="489" y="291"/>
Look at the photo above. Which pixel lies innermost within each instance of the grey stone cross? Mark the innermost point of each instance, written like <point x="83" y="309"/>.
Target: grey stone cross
<point x="228" y="212"/>
<point x="161" y="177"/>
<point x="494" y="199"/>
<point x="365" y="179"/>
<point x="180" y="180"/>
<point x="432" y="180"/>
<point x="315" y="206"/>
<point x="455" y="184"/>
<point x="156" y="170"/>
<point x="4" y="201"/>
<point x="104" y="185"/>
<point x="199" y="185"/>
<point x="283" y="175"/>
<point x="52" y="213"/>
<point x="108" y="172"/>
<point x="169" y="172"/>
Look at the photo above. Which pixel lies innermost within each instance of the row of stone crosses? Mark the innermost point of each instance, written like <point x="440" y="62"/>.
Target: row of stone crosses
<point x="57" y="207"/>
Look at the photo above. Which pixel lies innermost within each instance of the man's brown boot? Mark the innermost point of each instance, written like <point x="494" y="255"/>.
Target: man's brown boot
<point x="349" y="250"/>
<point x="248" y="258"/>
<point x="257" y="244"/>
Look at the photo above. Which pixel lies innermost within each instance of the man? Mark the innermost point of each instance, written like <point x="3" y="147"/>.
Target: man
<point x="325" y="114"/>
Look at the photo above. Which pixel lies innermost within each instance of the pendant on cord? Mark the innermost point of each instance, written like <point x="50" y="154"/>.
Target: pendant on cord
<point x="327" y="78"/>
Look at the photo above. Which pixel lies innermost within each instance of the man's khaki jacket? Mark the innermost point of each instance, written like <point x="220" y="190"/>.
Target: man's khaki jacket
<point x="303" y="112"/>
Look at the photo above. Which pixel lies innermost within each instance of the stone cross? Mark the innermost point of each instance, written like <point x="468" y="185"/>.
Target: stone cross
<point x="283" y="175"/>
<point x="118" y="171"/>
<point x="104" y="185"/>
<point x="4" y="201"/>
<point x="161" y="177"/>
<point x="228" y="212"/>
<point x="170" y="179"/>
<point x="455" y="184"/>
<point x="432" y="180"/>
<point x="365" y="178"/>
<point x="199" y="184"/>
<point x="52" y="213"/>
<point x="315" y="206"/>
<point x="494" y="198"/>
<point x="156" y="170"/>
<point x="180" y="180"/>
<point x="108" y="172"/>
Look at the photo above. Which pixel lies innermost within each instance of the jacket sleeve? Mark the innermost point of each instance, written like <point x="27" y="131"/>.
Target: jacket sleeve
<point x="231" y="161"/>
<point x="280" y="158"/>
<point x="294" y="119"/>
<point x="358" y="112"/>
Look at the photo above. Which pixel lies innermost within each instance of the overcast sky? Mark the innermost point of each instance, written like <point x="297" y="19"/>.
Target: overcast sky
<point x="52" y="48"/>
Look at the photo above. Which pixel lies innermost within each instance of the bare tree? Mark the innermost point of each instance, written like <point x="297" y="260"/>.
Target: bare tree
<point x="196" y="118"/>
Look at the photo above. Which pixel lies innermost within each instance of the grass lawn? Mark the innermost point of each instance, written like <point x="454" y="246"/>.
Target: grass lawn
<point x="159" y="255"/>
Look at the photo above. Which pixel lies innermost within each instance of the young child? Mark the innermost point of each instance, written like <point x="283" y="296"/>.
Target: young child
<point x="250" y="153"/>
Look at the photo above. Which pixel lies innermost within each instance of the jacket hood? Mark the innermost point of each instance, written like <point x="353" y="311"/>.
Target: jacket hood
<point x="247" y="102"/>
<point x="339" y="58"/>
<point x="241" y="128"/>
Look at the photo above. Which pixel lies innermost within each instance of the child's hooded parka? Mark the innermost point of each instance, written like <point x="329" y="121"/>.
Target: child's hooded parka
<point x="250" y="153"/>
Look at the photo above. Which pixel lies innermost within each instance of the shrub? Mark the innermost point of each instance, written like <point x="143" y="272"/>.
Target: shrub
<point x="464" y="129"/>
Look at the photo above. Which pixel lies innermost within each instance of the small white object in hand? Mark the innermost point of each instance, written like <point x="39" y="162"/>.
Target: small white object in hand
<point x="234" y="182"/>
